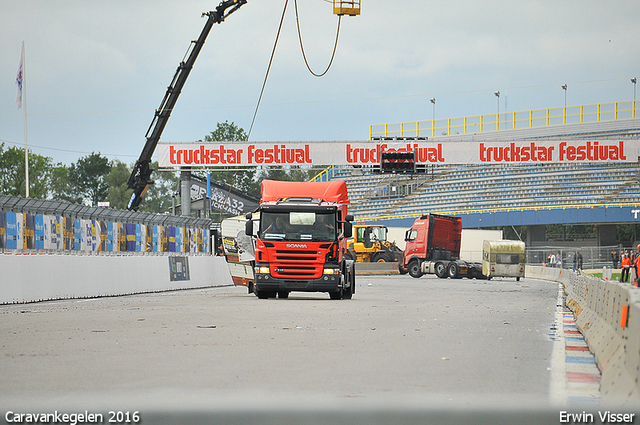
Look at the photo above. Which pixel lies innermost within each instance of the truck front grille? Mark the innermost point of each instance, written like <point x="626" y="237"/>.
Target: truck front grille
<point x="297" y="264"/>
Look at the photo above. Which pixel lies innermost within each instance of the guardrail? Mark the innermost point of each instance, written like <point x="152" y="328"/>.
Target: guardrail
<point x="509" y="120"/>
<point x="36" y="226"/>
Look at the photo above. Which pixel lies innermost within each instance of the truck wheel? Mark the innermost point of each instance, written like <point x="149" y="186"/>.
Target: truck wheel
<point x="283" y="294"/>
<point x="453" y="270"/>
<point x="441" y="269"/>
<point x="262" y="295"/>
<point x="352" y="276"/>
<point x="335" y="295"/>
<point x="382" y="257"/>
<point x="347" y="294"/>
<point x="414" y="269"/>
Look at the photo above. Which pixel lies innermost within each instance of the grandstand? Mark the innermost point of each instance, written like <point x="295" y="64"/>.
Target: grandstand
<point x="482" y="187"/>
<point x="459" y="189"/>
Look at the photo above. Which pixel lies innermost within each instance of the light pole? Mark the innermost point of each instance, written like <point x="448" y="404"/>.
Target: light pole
<point x="498" y="113"/>
<point x="564" y="111"/>
<point x="633" y="105"/>
<point x="433" y="101"/>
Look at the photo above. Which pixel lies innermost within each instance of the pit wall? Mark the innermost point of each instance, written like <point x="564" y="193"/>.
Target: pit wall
<point x="608" y="316"/>
<point x="31" y="278"/>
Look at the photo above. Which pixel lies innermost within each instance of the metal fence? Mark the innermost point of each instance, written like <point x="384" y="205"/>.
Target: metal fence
<point x="36" y="226"/>
<point x="595" y="257"/>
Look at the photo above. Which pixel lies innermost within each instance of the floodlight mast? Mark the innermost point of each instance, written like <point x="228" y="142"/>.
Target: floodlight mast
<point x="140" y="177"/>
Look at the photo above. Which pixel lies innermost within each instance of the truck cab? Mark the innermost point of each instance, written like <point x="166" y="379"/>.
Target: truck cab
<point x="433" y="247"/>
<point x="301" y="240"/>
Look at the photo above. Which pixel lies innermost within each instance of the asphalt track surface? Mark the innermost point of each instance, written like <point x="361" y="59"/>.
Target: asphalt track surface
<point x="403" y="350"/>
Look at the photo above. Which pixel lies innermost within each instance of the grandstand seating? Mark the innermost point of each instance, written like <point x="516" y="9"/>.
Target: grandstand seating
<point x="483" y="187"/>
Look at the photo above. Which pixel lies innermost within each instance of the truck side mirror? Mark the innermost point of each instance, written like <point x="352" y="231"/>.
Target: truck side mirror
<point x="248" y="226"/>
<point x="348" y="229"/>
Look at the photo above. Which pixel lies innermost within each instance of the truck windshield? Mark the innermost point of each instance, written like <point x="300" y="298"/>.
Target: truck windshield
<point x="298" y="226"/>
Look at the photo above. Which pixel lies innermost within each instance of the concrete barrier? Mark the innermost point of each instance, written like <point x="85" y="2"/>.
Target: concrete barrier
<point x="30" y="278"/>
<point x="377" y="268"/>
<point x="608" y="316"/>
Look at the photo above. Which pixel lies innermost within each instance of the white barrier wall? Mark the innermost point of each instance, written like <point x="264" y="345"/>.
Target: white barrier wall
<point x="608" y="316"/>
<point x="29" y="278"/>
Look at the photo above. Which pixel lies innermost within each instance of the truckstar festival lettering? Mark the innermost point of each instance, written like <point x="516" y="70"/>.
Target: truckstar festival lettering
<point x="372" y="155"/>
<point x="225" y="155"/>
<point x="589" y="151"/>
<point x="368" y="152"/>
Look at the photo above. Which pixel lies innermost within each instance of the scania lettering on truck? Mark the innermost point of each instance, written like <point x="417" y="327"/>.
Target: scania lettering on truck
<point x="433" y="247"/>
<point x="301" y="240"/>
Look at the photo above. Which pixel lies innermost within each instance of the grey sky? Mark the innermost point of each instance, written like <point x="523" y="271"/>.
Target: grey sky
<point x="96" y="71"/>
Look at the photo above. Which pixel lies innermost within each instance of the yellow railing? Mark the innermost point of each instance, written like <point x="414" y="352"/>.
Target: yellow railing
<point x="324" y="175"/>
<point x="509" y="120"/>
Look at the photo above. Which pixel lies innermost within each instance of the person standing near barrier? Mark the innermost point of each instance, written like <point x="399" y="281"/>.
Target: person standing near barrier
<point x="625" y="264"/>
<point x="632" y="270"/>
<point x="579" y="262"/>
<point x="635" y="266"/>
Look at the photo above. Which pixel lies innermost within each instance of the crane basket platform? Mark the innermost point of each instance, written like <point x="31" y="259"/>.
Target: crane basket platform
<point x="348" y="7"/>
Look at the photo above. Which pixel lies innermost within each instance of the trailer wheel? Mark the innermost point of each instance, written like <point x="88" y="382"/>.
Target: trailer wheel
<point x="453" y="270"/>
<point x="440" y="269"/>
<point x="414" y="269"/>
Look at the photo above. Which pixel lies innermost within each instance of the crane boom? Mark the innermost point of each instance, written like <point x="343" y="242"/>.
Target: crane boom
<point x="140" y="177"/>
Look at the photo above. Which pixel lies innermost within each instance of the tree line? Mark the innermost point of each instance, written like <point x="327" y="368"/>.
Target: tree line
<point x="94" y="178"/>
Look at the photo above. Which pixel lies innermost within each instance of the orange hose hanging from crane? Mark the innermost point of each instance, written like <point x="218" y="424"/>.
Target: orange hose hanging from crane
<point x="335" y="46"/>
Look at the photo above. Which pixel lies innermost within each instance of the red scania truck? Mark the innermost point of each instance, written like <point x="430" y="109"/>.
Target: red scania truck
<point x="433" y="247"/>
<point x="301" y="239"/>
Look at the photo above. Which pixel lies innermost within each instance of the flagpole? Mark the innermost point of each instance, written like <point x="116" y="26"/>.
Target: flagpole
<point x="26" y="139"/>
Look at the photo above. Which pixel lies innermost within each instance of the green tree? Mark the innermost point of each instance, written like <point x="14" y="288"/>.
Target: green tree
<point x="240" y="178"/>
<point x="158" y="198"/>
<point x="61" y="188"/>
<point x="13" y="176"/>
<point x="88" y="178"/>
<point x="118" y="194"/>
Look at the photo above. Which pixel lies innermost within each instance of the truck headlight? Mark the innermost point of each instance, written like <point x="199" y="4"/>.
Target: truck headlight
<point x="331" y="271"/>
<point x="262" y="269"/>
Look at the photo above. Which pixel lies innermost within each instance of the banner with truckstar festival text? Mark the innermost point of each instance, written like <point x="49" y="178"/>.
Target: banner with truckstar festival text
<point x="234" y="154"/>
